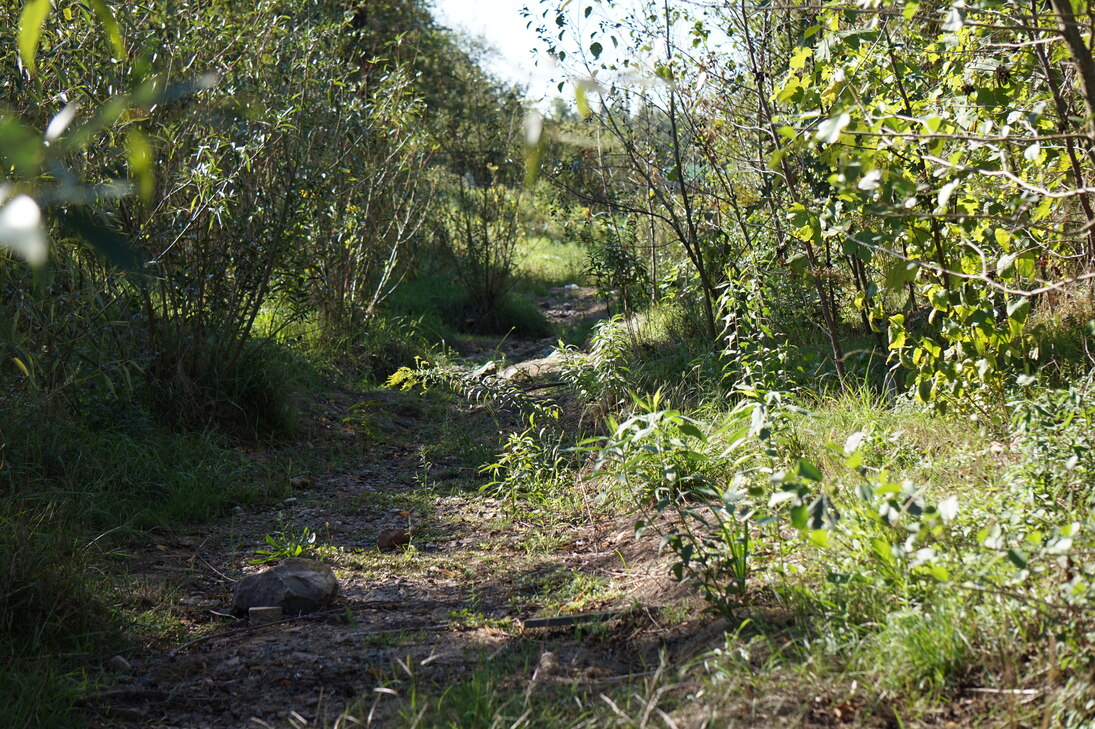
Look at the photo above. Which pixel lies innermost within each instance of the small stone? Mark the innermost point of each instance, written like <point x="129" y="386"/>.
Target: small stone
<point x="392" y="538"/>
<point x="296" y="585"/>
<point x="266" y="614"/>
<point x="119" y="664"/>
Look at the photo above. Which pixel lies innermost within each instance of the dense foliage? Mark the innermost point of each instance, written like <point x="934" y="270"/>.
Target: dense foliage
<point x="885" y="203"/>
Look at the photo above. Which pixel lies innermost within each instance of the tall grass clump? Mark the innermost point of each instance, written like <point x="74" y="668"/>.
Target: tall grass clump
<point x="243" y="389"/>
<point x="128" y="473"/>
<point x="76" y="480"/>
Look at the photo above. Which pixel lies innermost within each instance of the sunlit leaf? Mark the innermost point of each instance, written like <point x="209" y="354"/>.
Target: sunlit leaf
<point x="1019" y="309"/>
<point x="870" y="181"/>
<point x="956" y="18"/>
<point x="21" y="366"/>
<point x="139" y="154"/>
<point x="31" y="20"/>
<point x="21" y="230"/>
<point x="829" y="131"/>
<point x="19" y="148"/>
<point x="798" y="58"/>
<point x="1005" y="267"/>
<point x="855" y="440"/>
<point x="948" y="508"/>
<point x="945" y="193"/>
<point x="59" y="123"/>
<point x="582" y="100"/>
<point x="110" y="25"/>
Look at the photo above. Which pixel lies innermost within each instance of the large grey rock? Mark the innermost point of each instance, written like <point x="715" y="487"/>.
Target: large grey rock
<point x="296" y="586"/>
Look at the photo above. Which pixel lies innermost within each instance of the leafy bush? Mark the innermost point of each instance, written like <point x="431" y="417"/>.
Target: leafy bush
<point x="534" y="463"/>
<point x="1056" y="434"/>
<point x="601" y="378"/>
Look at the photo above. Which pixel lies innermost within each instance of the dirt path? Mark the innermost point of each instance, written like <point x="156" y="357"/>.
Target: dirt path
<point x="449" y="610"/>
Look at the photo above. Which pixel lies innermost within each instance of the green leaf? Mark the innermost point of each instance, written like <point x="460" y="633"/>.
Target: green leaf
<point x="896" y="335"/>
<point x="31" y="20"/>
<point x="20" y="148"/>
<point x="911" y="6"/>
<point x="820" y="538"/>
<point x="139" y="153"/>
<point x="691" y="430"/>
<point x="884" y="550"/>
<point x="1019" y="309"/>
<point x="596" y="48"/>
<point x="581" y="100"/>
<point x="900" y="273"/>
<point x="1026" y="264"/>
<point x="939" y="572"/>
<point x="110" y="25"/>
<point x="809" y="471"/>
<point x="798" y="59"/>
<point x="933" y="123"/>
<point x="1017" y="558"/>
<point x="924" y="390"/>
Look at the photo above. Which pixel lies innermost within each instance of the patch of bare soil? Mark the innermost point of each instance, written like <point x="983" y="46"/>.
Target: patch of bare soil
<point x="472" y="584"/>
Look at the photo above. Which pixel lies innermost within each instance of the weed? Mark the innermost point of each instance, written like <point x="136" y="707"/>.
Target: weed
<point x="285" y="544"/>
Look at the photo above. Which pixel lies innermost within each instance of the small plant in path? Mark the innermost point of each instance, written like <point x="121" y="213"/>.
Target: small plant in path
<point x="285" y="544"/>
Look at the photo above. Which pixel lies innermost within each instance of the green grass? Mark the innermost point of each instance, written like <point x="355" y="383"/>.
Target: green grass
<point x="519" y="686"/>
<point x="134" y="475"/>
<point x="74" y="486"/>
<point x="546" y="263"/>
<point x="198" y="382"/>
<point x="1063" y="328"/>
<point x="435" y="298"/>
